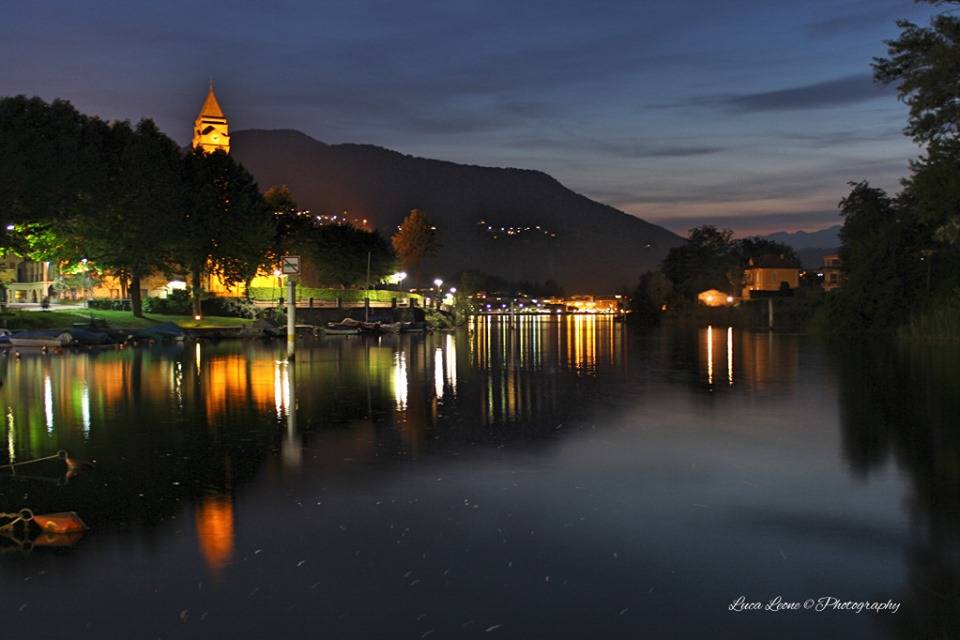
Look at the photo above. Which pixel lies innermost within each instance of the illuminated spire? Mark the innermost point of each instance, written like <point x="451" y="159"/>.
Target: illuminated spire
<point x="211" y="108"/>
<point x="211" y="130"/>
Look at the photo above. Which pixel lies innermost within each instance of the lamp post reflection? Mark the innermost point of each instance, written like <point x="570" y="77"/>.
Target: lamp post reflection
<point x="291" y="449"/>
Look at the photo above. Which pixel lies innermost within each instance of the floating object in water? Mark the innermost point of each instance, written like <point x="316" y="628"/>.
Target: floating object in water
<point x="65" y="522"/>
<point x="56" y="529"/>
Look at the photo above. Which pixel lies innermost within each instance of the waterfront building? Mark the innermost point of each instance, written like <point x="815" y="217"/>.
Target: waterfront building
<point x="769" y="274"/>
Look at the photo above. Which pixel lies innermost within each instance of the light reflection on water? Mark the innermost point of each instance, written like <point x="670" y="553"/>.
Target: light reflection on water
<point x="567" y="447"/>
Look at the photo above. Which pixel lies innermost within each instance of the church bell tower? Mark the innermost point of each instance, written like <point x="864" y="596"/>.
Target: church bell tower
<point x="210" y="131"/>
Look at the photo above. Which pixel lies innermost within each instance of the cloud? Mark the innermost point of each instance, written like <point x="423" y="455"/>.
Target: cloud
<point x="838" y="92"/>
<point x="616" y="149"/>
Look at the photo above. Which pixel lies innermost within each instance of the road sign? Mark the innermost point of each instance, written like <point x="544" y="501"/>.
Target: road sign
<point x="290" y="265"/>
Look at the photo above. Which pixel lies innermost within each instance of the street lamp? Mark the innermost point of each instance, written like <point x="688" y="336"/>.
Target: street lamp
<point x="437" y="282"/>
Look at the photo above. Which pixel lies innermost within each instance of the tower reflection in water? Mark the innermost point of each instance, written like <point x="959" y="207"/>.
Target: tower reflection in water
<point x="203" y="419"/>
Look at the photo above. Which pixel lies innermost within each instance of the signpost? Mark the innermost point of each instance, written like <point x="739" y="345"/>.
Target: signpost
<point x="290" y="267"/>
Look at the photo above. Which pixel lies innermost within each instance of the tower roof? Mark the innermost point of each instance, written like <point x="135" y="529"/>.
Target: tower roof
<point x="211" y="108"/>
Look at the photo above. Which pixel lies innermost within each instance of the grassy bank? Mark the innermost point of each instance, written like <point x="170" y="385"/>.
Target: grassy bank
<point x="118" y="319"/>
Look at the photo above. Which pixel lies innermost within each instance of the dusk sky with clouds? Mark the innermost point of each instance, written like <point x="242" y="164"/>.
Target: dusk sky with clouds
<point x="752" y="114"/>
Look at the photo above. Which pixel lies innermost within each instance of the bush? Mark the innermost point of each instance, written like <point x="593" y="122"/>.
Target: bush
<point x="109" y="305"/>
<point x="175" y="304"/>
<point x="228" y="307"/>
<point x="276" y="316"/>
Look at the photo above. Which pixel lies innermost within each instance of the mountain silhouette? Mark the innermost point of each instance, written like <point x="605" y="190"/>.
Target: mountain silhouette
<point x="518" y="224"/>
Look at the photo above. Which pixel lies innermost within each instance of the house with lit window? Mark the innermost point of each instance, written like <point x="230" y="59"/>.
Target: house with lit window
<point x="770" y="275"/>
<point x="832" y="273"/>
<point x="715" y="298"/>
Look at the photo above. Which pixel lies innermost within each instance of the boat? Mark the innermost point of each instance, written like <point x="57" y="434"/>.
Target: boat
<point x="415" y="327"/>
<point x="41" y="338"/>
<point x="335" y="329"/>
<point x="89" y="338"/>
<point x="392" y="327"/>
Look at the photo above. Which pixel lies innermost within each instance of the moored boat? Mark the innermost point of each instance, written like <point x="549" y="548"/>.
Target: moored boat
<point x="41" y="338"/>
<point x="335" y="329"/>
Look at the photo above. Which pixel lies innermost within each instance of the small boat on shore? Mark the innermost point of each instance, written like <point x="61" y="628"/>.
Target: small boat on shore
<point x="41" y="338"/>
<point x="335" y="329"/>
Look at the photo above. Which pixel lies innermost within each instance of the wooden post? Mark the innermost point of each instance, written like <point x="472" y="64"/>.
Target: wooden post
<point x="291" y="317"/>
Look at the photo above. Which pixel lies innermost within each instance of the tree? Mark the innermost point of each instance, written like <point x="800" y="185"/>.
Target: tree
<point x="132" y="234"/>
<point x="291" y="225"/>
<point x="708" y="260"/>
<point x="925" y="62"/>
<point x="227" y="228"/>
<point x="652" y="293"/>
<point x="340" y="254"/>
<point x="755" y="247"/>
<point x="881" y="243"/>
<point x="51" y="161"/>
<point x="415" y="241"/>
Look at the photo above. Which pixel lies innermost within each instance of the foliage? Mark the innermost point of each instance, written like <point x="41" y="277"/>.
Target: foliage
<point x="940" y="321"/>
<point x="269" y="294"/>
<point x="339" y="254"/>
<point x="130" y="233"/>
<point x="652" y="293"/>
<point x="755" y="247"/>
<point x="925" y="64"/>
<point x="177" y="303"/>
<point x="227" y="228"/>
<point x="883" y="263"/>
<point x="228" y="307"/>
<point x="708" y="260"/>
<point x="415" y="241"/>
<point x="291" y="226"/>
<point x="51" y="161"/>
<point x="109" y="304"/>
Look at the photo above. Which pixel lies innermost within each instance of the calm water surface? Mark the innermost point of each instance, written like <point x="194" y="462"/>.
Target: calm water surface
<point x="556" y="479"/>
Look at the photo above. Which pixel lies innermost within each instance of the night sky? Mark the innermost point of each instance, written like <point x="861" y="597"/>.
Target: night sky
<point x="751" y="114"/>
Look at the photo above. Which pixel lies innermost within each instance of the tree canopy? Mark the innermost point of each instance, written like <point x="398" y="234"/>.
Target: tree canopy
<point x="226" y="227"/>
<point x="339" y="254"/>
<point x="924" y="63"/>
<point x="415" y="241"/>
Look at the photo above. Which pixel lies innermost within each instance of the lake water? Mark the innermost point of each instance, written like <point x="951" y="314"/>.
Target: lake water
<point x="557" y="478"/>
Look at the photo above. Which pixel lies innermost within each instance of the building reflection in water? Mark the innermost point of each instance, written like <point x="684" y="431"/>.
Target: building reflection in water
<point x="215" y="527"/>
<point x="521" y="358"/>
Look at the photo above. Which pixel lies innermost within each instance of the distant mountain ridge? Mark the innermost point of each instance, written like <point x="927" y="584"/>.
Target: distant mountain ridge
<point x="811" y="246"/>
<point x="518" y="224"/>
<point x="821" y="239"/>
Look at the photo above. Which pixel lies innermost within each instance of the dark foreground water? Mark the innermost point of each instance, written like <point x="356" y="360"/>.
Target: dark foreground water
<point x="563" y="479"/>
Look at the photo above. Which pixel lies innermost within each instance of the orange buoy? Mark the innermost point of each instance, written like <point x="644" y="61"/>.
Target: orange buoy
<point x="67" y="522"/>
